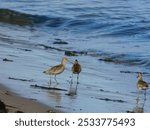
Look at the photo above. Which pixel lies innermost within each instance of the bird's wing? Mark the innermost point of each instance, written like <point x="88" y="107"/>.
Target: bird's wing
<point x="57" y="69"/>
<point x="142" y="83"/>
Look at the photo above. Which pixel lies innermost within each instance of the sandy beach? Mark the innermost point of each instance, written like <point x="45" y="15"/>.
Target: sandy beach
<point x="12" y="103"/>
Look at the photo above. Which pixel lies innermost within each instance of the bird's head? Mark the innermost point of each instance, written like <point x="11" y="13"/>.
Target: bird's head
<point x="76" y="61"/>
<point x="64" y="60"/>
<point x="139" y="75"/>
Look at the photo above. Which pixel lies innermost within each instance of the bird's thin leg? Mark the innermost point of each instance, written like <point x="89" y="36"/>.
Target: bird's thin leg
<point x="50" y="81"/>
<point x="77" y="78"/>
<point x="145" y="96"/>
<point x="72" y="79"/>
<point x="76" y="88"/>
<point x="56" y="79"/>
<point x="138" y="95"/>
<point x="144" y="99"/>
<point x="137" y="102"/>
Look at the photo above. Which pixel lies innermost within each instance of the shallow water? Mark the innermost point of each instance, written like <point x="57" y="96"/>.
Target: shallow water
<point x="111" y="41"/>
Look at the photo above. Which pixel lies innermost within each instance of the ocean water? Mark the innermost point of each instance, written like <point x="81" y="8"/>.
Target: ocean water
<point x="110" y="40"/>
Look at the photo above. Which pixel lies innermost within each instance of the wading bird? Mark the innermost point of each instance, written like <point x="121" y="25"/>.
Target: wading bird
<point x="76" y="69"/>
<point x="55" y="70"/>
<point x="141" y="85"/>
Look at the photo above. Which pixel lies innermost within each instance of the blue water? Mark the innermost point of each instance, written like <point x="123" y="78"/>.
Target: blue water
<point x="102" y="27"/>
<point x="115" y="34"/>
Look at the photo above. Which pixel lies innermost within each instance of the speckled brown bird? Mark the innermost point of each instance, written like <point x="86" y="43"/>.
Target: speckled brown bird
<point x="141" y="85"/>
<point x="55" y="70"/>
<point x="76" y="69"/>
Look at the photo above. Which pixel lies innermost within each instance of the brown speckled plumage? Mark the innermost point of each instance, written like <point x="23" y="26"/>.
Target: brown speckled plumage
<point x="76" y="69"/>
<point x="58" y="69"/>
<point x="141" y="85"/>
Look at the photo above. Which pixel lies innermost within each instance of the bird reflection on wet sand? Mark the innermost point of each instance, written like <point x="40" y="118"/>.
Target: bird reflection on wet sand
<point x="139" y="105"/>
<point x="73" y="89"/>
<point x="55" y="95"/>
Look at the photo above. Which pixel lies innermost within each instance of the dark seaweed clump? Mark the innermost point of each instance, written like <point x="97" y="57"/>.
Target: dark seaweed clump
<point x="25" y="80"/>
<point x="47" y="88"/>
<point x="60" y="42"/>
<point x="7" y="60"/>
<point x="111" y="100"/>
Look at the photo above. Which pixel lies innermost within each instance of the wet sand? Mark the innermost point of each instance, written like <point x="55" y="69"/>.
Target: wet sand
<point x="12" y="103"/>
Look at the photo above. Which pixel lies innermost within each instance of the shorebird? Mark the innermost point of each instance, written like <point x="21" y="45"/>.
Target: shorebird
<point x="141" y="85"/>
<point x="76" y="69"/>
<point x="55" y="70"/>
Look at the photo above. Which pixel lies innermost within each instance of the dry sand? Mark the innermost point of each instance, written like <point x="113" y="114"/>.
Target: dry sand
<point x="16" y="104"/>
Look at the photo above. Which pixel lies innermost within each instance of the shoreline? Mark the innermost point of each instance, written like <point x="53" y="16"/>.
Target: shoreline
<point x="13" y="103"/>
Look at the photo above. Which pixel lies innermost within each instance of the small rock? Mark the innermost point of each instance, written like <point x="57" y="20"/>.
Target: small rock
<point x="2" y="107"/>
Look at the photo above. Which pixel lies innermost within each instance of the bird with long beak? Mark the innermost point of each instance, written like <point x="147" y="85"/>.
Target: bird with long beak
<point x="55" y="70"/>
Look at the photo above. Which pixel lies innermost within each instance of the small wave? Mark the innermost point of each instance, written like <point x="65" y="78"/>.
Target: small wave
<point x="128" y="30"/>
<point x="73" y="23"/>
<point x="56" y="22"/>
<point x="18" y="18"/>
<point x="22" y="19"/>
<point x="126" y="59"/>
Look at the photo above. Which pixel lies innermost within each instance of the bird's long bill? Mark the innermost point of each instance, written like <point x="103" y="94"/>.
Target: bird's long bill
<point x="70" y="61"/>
